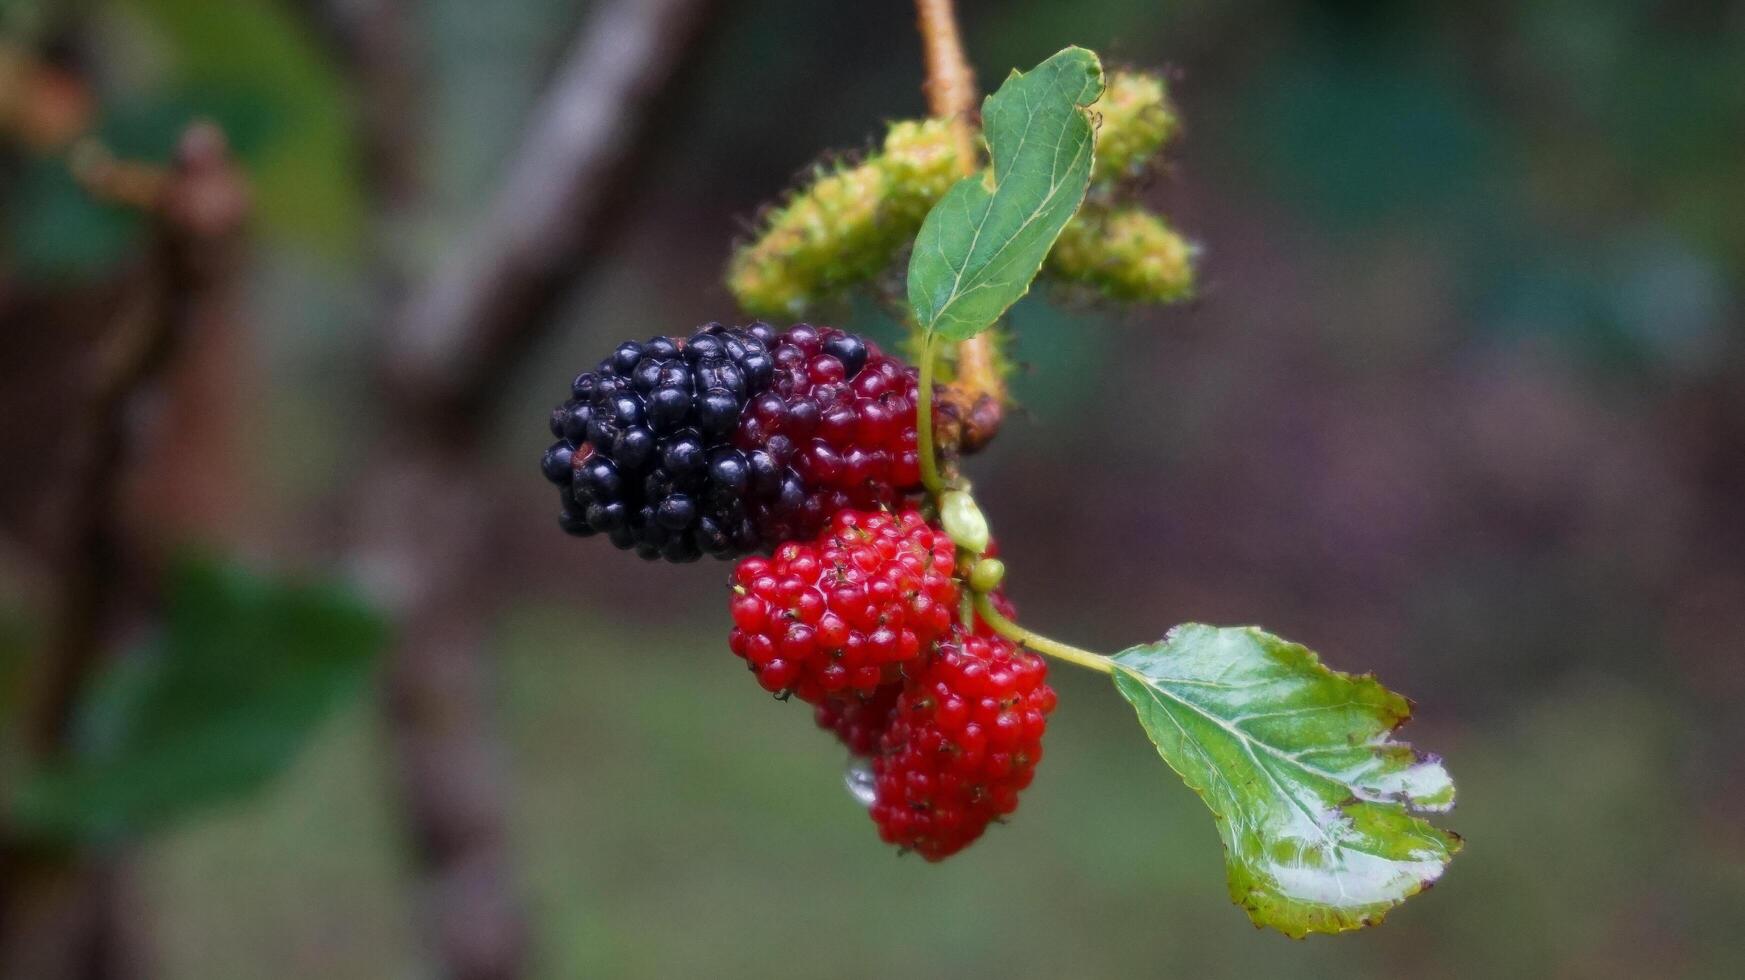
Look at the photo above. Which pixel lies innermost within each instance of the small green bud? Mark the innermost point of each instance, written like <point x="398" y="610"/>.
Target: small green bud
<point x="987" y="575"/>
<point x="963" y="521"/>
<point x="1128" y="254"/>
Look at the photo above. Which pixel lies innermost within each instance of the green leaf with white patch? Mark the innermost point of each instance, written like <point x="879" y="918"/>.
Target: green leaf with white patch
<point x="1315" y="800"/>
<point x="983" y="243"/>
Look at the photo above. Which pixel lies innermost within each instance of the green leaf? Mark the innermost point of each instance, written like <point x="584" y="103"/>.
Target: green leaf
<point x="246" y="670"/>
<point x="981" y="245"/>
<point x="55" y="231"/>
<point x="16" y="640"/>
<point x="1313" y="797"/>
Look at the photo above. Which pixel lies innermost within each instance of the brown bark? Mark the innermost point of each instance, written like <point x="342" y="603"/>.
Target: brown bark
<point x="60" y="913"/>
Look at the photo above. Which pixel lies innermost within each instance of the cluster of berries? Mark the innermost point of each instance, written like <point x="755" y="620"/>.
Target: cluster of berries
<point x="863" y="622"/>
<point x="733" y="440"/>
<point x="802" y="445"/>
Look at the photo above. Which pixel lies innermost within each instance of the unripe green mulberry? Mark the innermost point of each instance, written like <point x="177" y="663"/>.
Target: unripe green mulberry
<point x="847" y="225"/>
<point x="1137" y="120"/>
<point x="1128" y="254"/>
<point x="920" y="159"/>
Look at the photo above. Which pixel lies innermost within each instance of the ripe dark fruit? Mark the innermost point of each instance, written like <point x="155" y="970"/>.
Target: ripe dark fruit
<point x="733" y="440"/>
<point x="676" y="512"/>
<point x="840" y="617"/>
<point x="575" y="522"/>
<point x="556" y="463"/>
<point x="962" y="741"/>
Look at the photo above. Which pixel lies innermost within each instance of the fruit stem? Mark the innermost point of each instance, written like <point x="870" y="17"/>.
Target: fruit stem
<point x="924" y="423"/>
<point x="1039" y="643"/>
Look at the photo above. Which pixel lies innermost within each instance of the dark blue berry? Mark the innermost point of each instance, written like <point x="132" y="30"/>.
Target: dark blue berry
<point x="711" y="538"/>
<point x="574" y="523"/>
<point x="702" y="347"/>
<point x="676" y="374"/>
<point x="556" y="464"/>
<point x="646" y="375"/>
<point x="601" y="429"/>
<point x="717" y="413"/>
<point x="720" y="373"/>
<point x="676" y="512"/>
<point x="600" y="478"/>
<point x="684" y="457"/>
<point x="575" y="422"/>
<point x="626" y="357"/>
<point x="667" y="407"/>
<point x="635" y="448"/>
<point x="607" y="517"/>
<point x="758" y="370"/>
<point x="728" y="472"/>
<point x="848" y="349"/>
<point x="627" y="410"/>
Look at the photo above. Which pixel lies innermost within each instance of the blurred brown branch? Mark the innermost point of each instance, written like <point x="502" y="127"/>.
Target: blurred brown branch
<point x="951" y="83"/>
<point x="457" y="332"/>
<point x="199" y="212"/>
<point x="421" y="514"/>
<point x="57" y="915"/>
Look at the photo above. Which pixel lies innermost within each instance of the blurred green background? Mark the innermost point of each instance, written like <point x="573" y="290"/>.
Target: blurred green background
<point x="1462" y="402"/>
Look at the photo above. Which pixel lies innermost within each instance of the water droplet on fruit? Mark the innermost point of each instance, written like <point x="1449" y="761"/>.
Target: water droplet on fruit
<point x="860" y="782"/>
